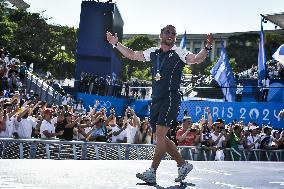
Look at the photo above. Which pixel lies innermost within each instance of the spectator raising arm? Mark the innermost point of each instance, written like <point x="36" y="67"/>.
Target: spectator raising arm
<point x="50" y="135"/>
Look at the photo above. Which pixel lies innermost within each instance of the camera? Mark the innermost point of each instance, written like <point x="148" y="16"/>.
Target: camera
<point x="61" y="107"/>
<point x="129" y="115"/>
<point x="128" y="112"/>
<point x="192" y="130"/>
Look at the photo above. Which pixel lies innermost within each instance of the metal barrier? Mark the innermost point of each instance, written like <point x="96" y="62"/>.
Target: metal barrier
<point x="40" y="87"/>
<point x="56" y="149"/>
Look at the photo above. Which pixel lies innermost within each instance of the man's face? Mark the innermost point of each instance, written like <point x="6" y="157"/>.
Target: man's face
<point x="187" y="123"/>
<point x="219" y="127"/>
<point x="254" y="132"/>
<point x="9" y="109"/>
<point x="47" y="116"/>
<point x="168" y="36"/>
<point x="69" y="118"/>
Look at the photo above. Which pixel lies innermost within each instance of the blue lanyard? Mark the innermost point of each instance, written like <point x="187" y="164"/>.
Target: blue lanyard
<point x="160" y="65"/>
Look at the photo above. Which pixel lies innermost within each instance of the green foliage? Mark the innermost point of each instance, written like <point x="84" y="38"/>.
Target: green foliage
<point x="244" y="49"/>
<point x="28" y="35"/>
<point x="7" y="32"/>
<point x="140" y="70"/>
<point x="272" y="42"/>
<point x="209" y="67"/>
<point x="233" y="63"/>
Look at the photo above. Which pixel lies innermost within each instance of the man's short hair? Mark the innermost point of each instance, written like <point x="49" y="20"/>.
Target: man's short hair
<point x="219" y="121"/>
<point x="163" y="29"/>
<point x="266" y="128"/>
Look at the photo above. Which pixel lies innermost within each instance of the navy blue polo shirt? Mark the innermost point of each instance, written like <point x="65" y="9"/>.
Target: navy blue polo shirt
<point x="170" y="64"/>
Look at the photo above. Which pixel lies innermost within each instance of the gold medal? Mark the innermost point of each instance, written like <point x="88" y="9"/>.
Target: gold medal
<point x="158" y="76"/>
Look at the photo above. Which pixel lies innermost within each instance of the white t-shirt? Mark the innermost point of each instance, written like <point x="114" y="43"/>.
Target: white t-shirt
<point x="221" y="140"/>
<point x="8" y="133"/>
<point x="86" y="130"/>
<point x="46" y="126"/>
<point x="265" y="83"/>
<point x="131" y="132"/>
<point x="54" y="120"/>
<point x="251" y="140"/>
<point x="25" y="127"/>
<point x="121" y="135"/>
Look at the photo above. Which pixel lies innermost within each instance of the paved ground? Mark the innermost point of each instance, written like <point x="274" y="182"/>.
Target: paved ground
<point x="67" y="174"/>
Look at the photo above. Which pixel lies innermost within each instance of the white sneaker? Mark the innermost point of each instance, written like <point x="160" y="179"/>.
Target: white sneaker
<point x="149" y="176"/>
<point x="183" y="171"/>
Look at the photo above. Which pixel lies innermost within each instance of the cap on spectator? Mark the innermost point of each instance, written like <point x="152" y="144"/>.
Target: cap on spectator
<point x="185" y="118"/>
<point x="66" y="114"/>
<point x="7" y="104"/>
<point x="245" y="128"/>
<point x="218" y="121"/>
<point x="253" y="127"/>
<point x="273" y="132"/>
<point x="47" y="111"/>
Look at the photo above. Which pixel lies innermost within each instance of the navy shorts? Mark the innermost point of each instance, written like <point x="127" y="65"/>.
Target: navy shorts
<point x="164" y="110"/>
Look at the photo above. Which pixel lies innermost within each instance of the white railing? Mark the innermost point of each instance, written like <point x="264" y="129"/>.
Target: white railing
<point x="40" y="87"/>
<point x="57" y="149"/>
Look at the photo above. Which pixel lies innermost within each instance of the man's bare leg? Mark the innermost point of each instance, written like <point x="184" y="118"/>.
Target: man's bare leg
<point x="164" y="144"/>
<point x="174" y="153"/>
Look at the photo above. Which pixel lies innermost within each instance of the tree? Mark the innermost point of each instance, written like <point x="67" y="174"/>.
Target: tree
<point x="66" y="37"/>
<point x="244" y="49"/>
<point x="140" y="70"/>
<point x="272" y="42"/>
<point x="29" y="35"/>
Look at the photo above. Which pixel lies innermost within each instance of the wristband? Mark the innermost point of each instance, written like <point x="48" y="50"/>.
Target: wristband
<point x="115" y="45"/>
<point x="208" y="49"/>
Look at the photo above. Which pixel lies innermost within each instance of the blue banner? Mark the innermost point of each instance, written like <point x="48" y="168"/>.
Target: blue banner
<point x="104" y="101"/>
<point x="260" y="112"/>
<point x="261" y="57"/>
<point x="141" y="107"/>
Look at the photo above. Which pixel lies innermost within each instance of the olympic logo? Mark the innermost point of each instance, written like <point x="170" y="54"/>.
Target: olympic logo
<point x="105" y="104"/>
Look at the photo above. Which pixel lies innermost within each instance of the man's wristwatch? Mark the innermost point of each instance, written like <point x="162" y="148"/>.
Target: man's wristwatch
<point x="208" y="49"/>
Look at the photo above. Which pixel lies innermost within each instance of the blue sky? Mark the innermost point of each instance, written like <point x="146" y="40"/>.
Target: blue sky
<point x="148" y="16"/>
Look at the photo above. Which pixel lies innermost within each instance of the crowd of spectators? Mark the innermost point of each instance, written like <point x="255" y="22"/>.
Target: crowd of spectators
<point x="112" y="86"/>
<point x="274" y="69"/>
<point x="24" y="116"/>
<point x="214" y="137"/>
<point x="12" y="73"/>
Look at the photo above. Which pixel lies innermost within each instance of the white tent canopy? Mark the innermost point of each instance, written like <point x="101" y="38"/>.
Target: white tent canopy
<point x="277" y="19"/>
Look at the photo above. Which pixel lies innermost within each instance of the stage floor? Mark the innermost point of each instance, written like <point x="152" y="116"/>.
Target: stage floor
<point x="96" y="174"/>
